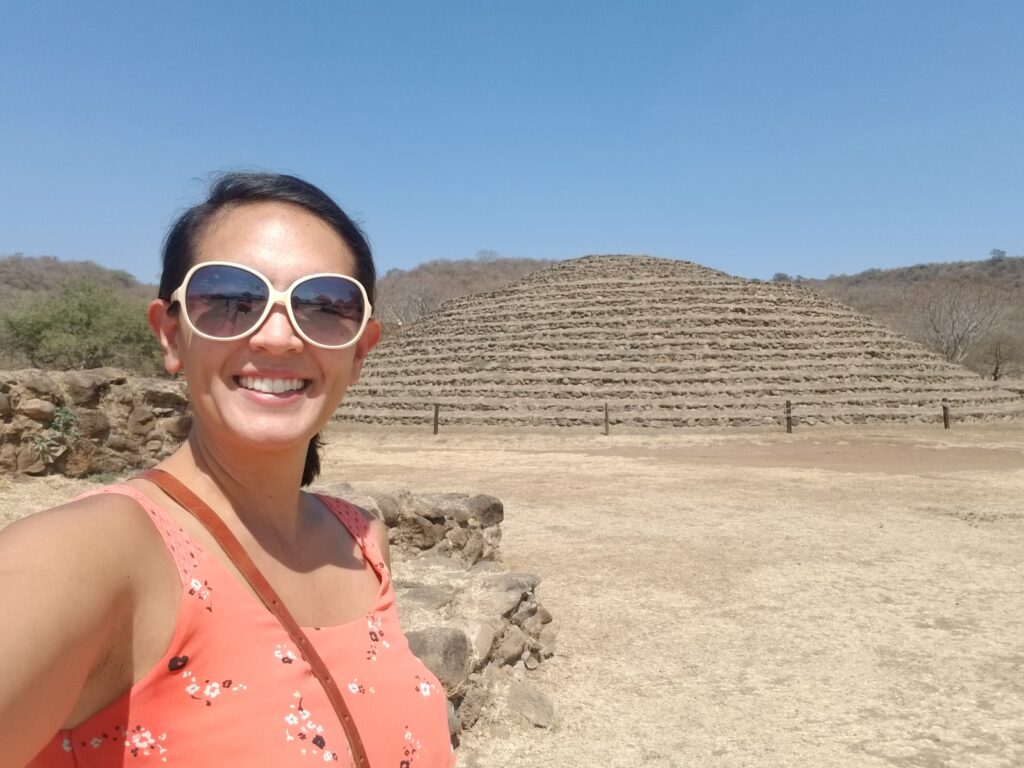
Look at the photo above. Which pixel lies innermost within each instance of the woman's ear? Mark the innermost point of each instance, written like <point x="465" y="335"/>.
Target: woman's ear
<point x="369" y="339"/>
<point x="164" y="325"/>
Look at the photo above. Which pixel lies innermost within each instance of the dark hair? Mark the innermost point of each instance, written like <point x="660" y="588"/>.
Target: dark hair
<point x="241" y="188"/>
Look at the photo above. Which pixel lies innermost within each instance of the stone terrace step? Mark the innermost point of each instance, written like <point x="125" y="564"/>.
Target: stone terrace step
<point x="663" y="343"/>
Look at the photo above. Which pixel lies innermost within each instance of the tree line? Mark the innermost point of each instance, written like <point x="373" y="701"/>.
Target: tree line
<point x="64" y="315"/>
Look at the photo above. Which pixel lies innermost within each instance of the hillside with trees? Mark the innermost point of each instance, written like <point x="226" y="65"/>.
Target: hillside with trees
<point x="403" y="296"/>
<point x="66" y="314"/>
<point x="970" y="312"/>
<point x="73" y="314"/>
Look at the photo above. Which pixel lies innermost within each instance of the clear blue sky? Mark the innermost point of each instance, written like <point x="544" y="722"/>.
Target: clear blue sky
<point x="753" y="137"/>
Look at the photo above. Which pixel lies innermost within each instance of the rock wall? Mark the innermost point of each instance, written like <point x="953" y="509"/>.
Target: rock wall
<point x="81" y="423"/>
<point x="480" y="628"/>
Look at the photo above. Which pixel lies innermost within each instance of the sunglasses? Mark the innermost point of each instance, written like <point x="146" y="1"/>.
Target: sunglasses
<point x="227" y="302"/>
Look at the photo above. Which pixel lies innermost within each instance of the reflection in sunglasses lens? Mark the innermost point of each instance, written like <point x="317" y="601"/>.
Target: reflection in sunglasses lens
<point x="224" y="301"/>
<point x="329" y="309"/>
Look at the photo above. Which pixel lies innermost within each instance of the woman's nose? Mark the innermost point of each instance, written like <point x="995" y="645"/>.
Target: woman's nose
<point x="276" y="334"/>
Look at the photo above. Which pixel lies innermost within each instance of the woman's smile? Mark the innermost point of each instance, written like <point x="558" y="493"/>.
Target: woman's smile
<point x="271" y="385"/>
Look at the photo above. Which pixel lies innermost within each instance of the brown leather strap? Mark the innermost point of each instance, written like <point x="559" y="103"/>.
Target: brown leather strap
<point x="174" y="488"/>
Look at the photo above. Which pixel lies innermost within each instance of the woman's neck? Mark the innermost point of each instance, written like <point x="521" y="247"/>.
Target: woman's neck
<point x="259" y="489"/>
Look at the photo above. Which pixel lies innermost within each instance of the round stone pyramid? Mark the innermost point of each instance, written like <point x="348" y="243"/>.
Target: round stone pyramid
<point x="661" y="343"/>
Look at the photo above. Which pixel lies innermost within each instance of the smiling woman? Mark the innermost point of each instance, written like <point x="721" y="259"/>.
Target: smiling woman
<point x="148" y="617"/>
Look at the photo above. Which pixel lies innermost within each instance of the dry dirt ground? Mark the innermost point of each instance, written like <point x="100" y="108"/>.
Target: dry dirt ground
<point x="849" y="596"/>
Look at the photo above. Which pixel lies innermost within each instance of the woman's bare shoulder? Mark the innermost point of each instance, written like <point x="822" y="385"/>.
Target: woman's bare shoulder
<point x="68" y="582"/>
<point x="377" y="529"/>
<point x="89" y="526"/>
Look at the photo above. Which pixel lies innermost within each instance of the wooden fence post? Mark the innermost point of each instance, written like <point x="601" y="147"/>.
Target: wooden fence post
<point x="945" y="413"/>
<point x="789" y="416"/>
<point x="437" y="408"/>
<point x="606" y="418"/>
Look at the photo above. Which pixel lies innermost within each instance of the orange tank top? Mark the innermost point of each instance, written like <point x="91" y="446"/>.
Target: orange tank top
<point x="231" y="689"/>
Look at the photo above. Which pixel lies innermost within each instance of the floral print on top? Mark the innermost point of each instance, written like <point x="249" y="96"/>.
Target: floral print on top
<point x="231" y="689"/>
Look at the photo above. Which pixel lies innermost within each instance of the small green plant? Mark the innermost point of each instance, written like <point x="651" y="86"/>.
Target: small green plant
<point x="65" y="424"/>
<point x="47" y="447"/>
<point x="61" y="435"/>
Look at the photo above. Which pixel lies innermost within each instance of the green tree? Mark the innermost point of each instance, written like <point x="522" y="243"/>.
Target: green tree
<point x="85" y="326"/>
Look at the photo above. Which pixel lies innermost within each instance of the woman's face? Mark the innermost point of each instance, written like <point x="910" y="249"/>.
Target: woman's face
<point x="231" y="384"/>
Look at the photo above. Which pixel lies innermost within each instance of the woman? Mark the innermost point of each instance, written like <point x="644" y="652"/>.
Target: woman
<point x="130" y="635"/>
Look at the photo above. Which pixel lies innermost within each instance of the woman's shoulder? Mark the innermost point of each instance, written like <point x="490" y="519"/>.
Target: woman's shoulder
<point x="70" y="581"/>
<point x="363" y="523"/>
<point x="100" y="532"/>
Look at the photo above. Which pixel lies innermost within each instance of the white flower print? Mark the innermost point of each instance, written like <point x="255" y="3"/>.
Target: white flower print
<point x="210" y="689"/>
<point x="66" y="745"/>
<point x="143" y="739"/>
<point x="353" y="687"/>
<point x="286" y="656"/>
<point x="425" y="687"/>
<point x="96" y="742"/>
<point x="375" y="628"/>
<point x="196" y="584"/>
<point x="309" y="736"/>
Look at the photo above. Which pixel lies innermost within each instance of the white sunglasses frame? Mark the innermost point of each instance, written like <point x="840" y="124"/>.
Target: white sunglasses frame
<point x="275" y="297"/>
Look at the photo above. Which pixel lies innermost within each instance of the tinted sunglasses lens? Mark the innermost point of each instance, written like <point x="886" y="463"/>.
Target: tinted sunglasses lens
<point x="225" y="301"/>
<point x="329" y="309"/>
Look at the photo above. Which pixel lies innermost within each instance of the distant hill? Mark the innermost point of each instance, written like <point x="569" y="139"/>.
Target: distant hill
<point x="403" y="296"/>
<point x="24" y="277"/>
<point x="27" y="281"/>
<point x="901" y="297"/>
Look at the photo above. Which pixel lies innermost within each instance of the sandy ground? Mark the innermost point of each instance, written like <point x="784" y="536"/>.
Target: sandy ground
<point x="842" y="596"/>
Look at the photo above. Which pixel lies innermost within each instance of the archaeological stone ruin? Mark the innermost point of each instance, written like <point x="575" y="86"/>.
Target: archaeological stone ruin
<point x="661" y="343"/>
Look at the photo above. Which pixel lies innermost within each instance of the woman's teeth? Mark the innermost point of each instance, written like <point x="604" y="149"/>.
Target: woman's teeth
<point x="271" y="386"/>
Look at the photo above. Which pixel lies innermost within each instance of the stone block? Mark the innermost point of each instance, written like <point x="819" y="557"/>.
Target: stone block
<point x="37" y="409"/>
<point x="9" y="456"/>
<point x="472" y="705"/>
<point x="486" y="510"/>
<point x="492" y="535"/>
<point x="501" y="602"/>
<point x="458" y="537"/>
<point x="510" y="646"/>
<point x="521" y="582"/>
<point x="388" y="507"/>
<point x="445" y="651"/>
<point x="427" y="597"/>
<point x="163" y="394"/>
<point x="418" y="532"/>
<point x="38" y="383"/>
<point x="84" y="388"/>
<point x="140" y="421"/>
<point x="92" y="424"/>
<point x="5" y="406"/>
<point x="474" y="547"/>
<point x="526" y="700"/>
<point x="29" y="462"/>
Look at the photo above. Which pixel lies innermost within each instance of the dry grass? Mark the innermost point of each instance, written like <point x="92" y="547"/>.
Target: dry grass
<point x="841" y="596"/>
<point x="836" y="597"/>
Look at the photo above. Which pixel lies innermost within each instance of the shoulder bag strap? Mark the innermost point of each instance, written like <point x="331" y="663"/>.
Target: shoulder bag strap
<point x="174" y="488"/>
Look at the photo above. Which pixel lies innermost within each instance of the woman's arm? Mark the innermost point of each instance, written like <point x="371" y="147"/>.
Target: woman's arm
<point x="66" y="600"/>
